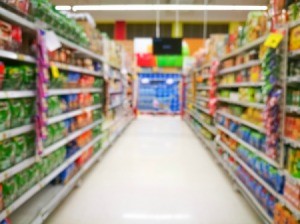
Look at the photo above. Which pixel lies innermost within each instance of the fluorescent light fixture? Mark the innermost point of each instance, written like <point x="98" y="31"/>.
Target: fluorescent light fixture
<point x="63" y="7"/>
<point x="166" y="7"/>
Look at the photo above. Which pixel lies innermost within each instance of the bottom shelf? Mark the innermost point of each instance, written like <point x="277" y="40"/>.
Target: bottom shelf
<point x="41" y="205"/>
<point x="242" y="188"/>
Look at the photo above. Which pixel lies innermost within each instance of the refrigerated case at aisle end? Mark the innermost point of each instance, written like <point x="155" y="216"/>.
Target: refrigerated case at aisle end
<point x="159" y="93"/>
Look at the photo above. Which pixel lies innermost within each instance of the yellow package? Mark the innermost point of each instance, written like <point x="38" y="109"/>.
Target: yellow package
<point x="295" y="38"/>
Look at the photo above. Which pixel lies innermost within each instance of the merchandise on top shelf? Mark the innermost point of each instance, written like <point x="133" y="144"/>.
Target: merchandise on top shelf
<point x="10" y="36"/>
<point x="44" y="10"/>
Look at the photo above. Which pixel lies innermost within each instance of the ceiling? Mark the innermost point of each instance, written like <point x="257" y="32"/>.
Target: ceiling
<point x="191" y="16"/>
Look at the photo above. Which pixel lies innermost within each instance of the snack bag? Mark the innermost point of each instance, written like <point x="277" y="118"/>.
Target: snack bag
<point x="28" y="77"/>
<point x="7" y="154"/>
<point x="17" y="113"/>
<point x="29" y="110"/>
<point x="10" y="189"/>
<point x="13" y="78"/>
<point x="20" y="148"/>
<point x="5" y="115"/>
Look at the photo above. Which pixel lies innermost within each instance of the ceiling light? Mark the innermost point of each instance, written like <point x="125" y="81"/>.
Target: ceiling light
<point x="63" y="7"/>
<point x="165" y="7"/>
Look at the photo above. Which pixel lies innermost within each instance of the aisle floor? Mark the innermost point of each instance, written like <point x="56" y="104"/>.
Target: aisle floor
<point x="157" y="172"/>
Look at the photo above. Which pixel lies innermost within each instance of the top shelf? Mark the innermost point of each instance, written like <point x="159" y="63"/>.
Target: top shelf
<point x="206" y="65"/>
<point x="244" y="48"/>
<point x="15" y="56"/>
<point x="294" y="23"/>
<point x="32" y="26"/>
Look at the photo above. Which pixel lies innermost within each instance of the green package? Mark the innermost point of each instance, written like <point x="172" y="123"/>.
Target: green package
<point x="5" y="115"/>
<point x="53" y="106"/>
<point x="28" y="77"/>
<point x="96" y="98"/>
<point x="21" y="181"/>
<point x="13" y="78"/>
<point x="50" y="135"/>
<point x="7" y="154"/>
<point x="20" y="148"/>
<point x="30" y="142"/>
<point x="29" y="110"/>
<point x="96" y="131"/>
<point x="10" y="190"/>
<point x="17" y="113"/>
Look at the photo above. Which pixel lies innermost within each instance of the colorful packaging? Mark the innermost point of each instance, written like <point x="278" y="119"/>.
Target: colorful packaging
<point x="17" y="112"/>
<point x="5" y="115"/>
<point x="7" y="154"/>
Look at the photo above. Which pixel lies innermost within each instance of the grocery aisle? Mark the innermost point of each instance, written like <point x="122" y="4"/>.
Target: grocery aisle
<point x="157" y="172"/>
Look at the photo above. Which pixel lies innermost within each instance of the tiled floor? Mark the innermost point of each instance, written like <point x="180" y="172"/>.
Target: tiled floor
<point x="157" y="172"/>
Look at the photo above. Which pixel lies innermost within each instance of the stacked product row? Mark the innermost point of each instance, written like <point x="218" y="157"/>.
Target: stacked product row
<point x="258" y="118"/>
<point x="52" y="103"/>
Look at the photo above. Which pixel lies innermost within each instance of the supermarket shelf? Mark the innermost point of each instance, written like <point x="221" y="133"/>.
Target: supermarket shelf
<point x="112" y="123"/>
<point x="249" y="170"/>
<point x="54" y="92"/>
<point x="291" y="178"/>
<point x="205" y="110"/>
<point x="69" y="138"/>
<point x="241" y="84"/>
<point x="294" y="23"/>
<point x="295" y="53"/>
<point x="293" y="79"/>
<point x="209" y="144"/>
<point x="76" y="69"/>
<point x="253" y="200"/>
<point x="207" y="65"/>
<point x="292" y="142"/>
<point x="16" y="168"/>
<point x="74" y="113"/>
<point x="246" y="47"/>
<point x="16" y="131"/>
<point x="245" y="192"/>
<point x="16" y="94"/>
<point x="239" y="67"/>
<point x="206" y="99"/>
<point x="41" y="205"/>
<point x="245" y="104"/>
<point x="15" y="56"/>
<point x="81" y="49"/>
<point x="115" y="105"/>
<point x="248" y="146"/>
<point x="295" y="211"/>
<point x="41" y="184"/>
<point x="210" y="128"/>
<point x="292" y="109"/>
<point x="12" y="17"/>
<point x="242" y="121"/>
<point x="116" y="92"/>
<point x="203" y="87"/>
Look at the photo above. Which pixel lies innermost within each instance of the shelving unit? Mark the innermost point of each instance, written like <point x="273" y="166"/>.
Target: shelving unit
<point x="197" y="110"/>
<point x="220" y="149"/>
<point x="36" y="196"/>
